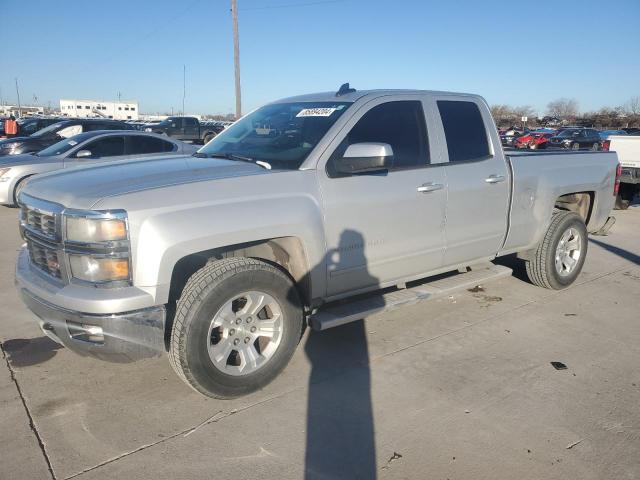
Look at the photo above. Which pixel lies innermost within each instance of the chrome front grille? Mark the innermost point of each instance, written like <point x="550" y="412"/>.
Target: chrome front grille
<point x="45" y="258"/>
<point x="39" y="222"/>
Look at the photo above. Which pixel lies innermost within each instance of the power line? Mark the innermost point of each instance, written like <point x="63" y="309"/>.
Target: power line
<point x="292" y="5"/>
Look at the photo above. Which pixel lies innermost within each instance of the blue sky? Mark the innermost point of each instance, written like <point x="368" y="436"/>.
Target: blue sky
<point x="532" y="54"/>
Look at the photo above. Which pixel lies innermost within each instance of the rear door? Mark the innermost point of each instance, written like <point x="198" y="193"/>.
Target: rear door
<point x="143" y="145"/>
<point x="478" y="180"/>
<point x="384" y="226"/>
<point x="191" y="130"/>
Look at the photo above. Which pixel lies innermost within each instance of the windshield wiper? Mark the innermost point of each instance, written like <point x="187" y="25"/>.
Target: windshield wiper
<point x="240" y="158"/>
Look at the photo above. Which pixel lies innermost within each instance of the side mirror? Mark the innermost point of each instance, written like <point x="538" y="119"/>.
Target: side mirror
<point x="365" y="157"/>
<point x="83" y="154"/>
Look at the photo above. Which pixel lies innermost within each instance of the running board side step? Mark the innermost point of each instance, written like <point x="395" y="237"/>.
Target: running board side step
<point x="337" y="314"/>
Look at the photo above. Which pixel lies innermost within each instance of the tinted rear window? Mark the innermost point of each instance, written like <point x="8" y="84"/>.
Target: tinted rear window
<point x="142" y="145"/>
<point x="464" y="130"/>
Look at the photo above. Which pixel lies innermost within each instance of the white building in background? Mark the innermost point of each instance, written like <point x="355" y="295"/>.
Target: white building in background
<point x="97" y="109"/>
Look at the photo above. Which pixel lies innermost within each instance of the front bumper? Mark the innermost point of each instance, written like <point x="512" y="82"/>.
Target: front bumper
<point x="119" y="338"/>
<point x="116" y="335"/>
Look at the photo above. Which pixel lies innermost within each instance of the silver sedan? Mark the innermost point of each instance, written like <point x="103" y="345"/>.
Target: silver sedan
<point x="84" y="149"/>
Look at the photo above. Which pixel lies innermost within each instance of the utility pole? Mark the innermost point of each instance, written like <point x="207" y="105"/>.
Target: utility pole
<point x="18" y="92"/>
<point x="184" y="86"/>
<point x="236" y="56"/>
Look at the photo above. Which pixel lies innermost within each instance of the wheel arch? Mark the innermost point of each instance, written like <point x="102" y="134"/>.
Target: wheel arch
<point x="578" y="202"/>
<point x="286" y="253"/>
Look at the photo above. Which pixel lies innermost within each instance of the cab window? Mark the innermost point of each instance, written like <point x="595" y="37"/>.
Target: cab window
<point x="464" y="130"/>
<point x="400" y="124"/>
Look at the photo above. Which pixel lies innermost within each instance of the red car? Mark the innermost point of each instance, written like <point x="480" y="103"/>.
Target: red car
<point x="533" y="140"/>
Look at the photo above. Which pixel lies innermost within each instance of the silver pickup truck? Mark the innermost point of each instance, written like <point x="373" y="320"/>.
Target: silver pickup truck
<point x="317" y="209"/>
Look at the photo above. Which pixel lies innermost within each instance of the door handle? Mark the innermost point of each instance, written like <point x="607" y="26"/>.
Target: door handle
<point x="430" y="187"/>
<point x="494" y="179"/>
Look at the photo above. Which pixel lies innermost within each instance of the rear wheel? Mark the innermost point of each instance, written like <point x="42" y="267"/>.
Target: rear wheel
<point x="595" y="147"/>
<point x="559" y="257"/>
<point x="575" y="146"/>
<point x="208" y="137"/>
<point x="236" y="327"/>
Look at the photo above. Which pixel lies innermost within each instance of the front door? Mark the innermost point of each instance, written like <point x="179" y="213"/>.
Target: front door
<point x="478" y="182"/>
<point x="102" y="149"/>
<point x="385" y="226"/>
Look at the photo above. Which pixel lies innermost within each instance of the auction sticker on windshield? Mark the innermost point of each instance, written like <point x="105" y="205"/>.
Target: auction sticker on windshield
<point x="316" y="112"/>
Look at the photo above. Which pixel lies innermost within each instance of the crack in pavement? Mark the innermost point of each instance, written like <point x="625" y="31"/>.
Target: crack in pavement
<point x="32" y="424"/>
<point x="220" y="415"/>
<point x="186" y="432"/>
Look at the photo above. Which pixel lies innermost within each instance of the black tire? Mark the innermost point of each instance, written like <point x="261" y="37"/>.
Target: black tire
<point x="595" y="147"/>
<point x="205" y="293"/>
<point x="621" y="203"/>
<point x="575" y="146"/>
<point x="208" y="137"/>
<point x="541" y="268"/>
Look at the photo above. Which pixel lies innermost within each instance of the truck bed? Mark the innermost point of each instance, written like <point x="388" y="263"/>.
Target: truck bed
<point x="539" y="178"/>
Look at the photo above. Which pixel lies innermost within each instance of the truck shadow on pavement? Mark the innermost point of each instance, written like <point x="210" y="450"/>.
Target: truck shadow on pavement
<point x="25" y="352"/>
<point x="621" y="252"/>
<point x="340" y="427"/>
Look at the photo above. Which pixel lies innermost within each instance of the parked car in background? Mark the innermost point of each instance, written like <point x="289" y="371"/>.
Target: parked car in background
<point x="84" y="149"/>
<point x="628" y="149"/>
<point x="605" y="134"/>
<point x="285" y="220"/>
<point x="185" y="128"/>
<point x="575" y="139"/>
<point x="56" y="132"/>
<point x="30" y="125"/>
<point x="533" y="140"/>
<point x="508" y="138"/>
<point x="631" y="130"/>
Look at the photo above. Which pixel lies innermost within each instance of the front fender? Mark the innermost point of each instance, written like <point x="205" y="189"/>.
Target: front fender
<point x="163" y="239"/>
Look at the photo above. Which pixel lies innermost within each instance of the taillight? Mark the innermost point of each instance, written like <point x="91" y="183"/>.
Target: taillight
<point x="605" y="145"/>
<point x="616" y="185"/>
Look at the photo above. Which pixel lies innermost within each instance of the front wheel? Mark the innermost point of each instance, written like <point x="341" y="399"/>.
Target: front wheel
<point x="575" y="146"/>
<point x="208" y="137"/>
<point x="595" y="147"/>
<point x="236" y="327"/>
<point x="559" y="257"/>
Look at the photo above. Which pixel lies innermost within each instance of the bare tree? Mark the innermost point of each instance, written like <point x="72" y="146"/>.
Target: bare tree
<point x="633" y="106"/>
<point x="564" y="108"/>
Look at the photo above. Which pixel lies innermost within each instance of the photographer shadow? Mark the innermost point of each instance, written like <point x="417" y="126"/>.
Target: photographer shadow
<point x="340" y="427"/>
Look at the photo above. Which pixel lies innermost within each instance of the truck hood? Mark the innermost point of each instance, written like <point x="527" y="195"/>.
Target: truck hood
<point x="82" y="187"/>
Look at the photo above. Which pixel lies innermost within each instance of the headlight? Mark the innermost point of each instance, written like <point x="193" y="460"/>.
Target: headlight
<point x="10" y="145"/>
<point x="95" y="230"/>
<point x="148" y="129"/>
<point x="99" y="270"/>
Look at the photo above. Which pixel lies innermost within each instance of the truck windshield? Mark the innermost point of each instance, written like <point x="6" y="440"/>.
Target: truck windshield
<point x="281" y="134"/>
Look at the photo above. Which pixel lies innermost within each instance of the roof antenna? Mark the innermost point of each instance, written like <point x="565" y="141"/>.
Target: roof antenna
<point x="344" y="89"/>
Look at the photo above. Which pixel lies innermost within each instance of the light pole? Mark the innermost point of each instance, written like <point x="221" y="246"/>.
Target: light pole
<point x="236" y="56"/>
<point x="18" y="93"/>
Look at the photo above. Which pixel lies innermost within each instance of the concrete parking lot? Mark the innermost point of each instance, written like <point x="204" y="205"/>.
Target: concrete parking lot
<point x="458" y="388"/>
